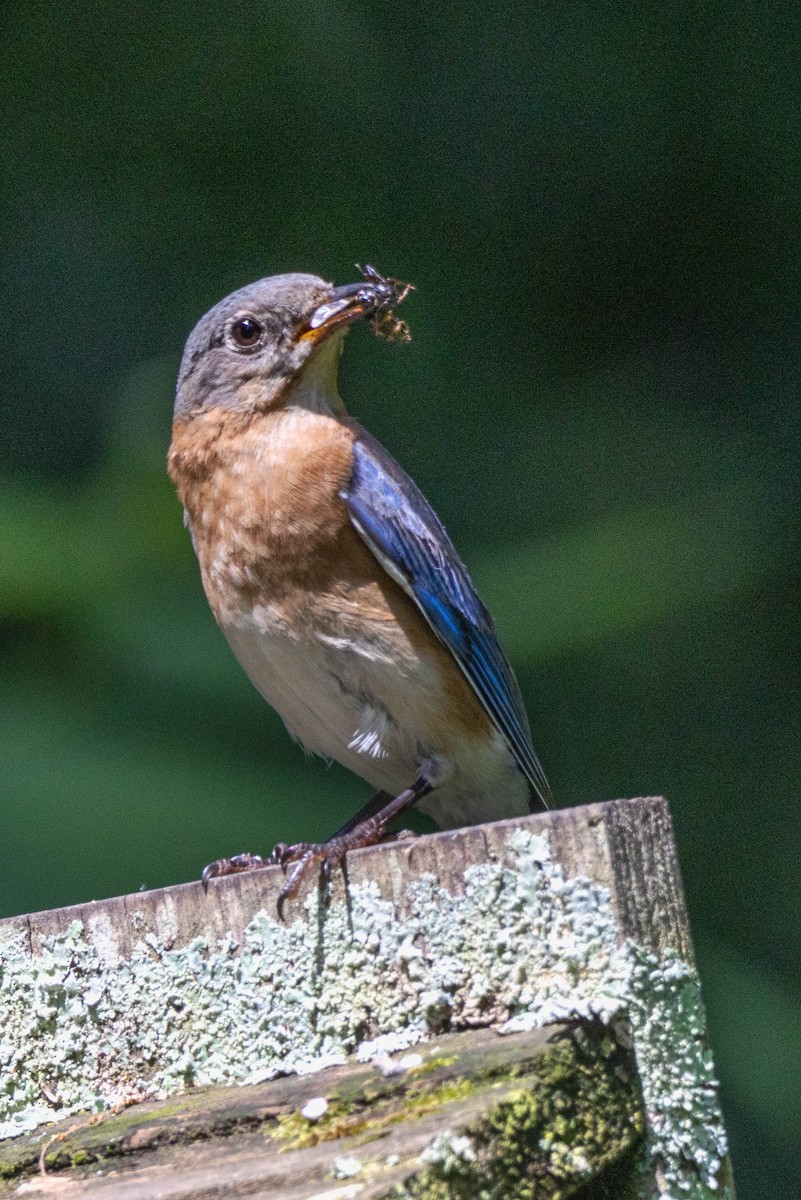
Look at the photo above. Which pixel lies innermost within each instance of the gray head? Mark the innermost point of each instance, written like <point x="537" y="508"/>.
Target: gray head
<point x="247" y="351"/>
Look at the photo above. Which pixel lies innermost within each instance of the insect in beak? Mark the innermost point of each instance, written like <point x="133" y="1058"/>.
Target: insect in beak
<point x="374" y="299"/>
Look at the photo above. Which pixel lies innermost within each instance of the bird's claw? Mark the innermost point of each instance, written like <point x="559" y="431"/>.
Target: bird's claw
<point x="296" y="860"/>
<point x="282" y="854"/>
<point x="300" y="858"/>
<point x="328" y="854"/>
<point x="232" y="866"/>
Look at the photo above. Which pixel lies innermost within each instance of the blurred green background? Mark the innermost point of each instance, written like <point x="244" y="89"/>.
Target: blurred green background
<point x="600" y="207"/>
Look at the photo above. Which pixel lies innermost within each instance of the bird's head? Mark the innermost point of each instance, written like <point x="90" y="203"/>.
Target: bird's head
<point x="277" y="339"/>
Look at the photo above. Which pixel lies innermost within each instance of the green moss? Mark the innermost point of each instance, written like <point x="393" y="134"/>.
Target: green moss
<point x="81" y="1158"/>
<point x="370" y="1118"/>
<point x="568" y="1121"/>
<point x="420" y="1100"/>
<point x="340" y="1120"/>
<point x="436" y="1063"/>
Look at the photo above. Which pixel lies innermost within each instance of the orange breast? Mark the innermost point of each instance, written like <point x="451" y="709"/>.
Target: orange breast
<point x="261" y="493"/>
<point x="261" y="496"/>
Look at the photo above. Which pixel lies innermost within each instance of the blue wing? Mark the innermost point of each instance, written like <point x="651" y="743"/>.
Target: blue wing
<point x="407" y="537"/>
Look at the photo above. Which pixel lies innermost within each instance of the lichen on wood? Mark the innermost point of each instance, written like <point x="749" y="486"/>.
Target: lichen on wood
<point x="505" y="930"/>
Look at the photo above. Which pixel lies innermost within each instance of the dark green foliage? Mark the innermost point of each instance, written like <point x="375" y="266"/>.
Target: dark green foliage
<point x="600" y="209"/>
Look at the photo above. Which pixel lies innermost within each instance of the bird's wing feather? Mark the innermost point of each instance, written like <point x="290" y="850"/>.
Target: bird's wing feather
<point x="398" y="524"/>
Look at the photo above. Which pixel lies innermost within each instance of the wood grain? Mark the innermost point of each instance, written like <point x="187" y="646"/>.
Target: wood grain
<point x="253" y="1141"/>
<point x="625" y="845"/>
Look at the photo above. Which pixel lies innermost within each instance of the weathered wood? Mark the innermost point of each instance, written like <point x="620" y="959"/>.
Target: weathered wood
<point x="648" y="891"/>
<point x="489" y="1104"/>
<point x="625" y="845"/>
<point x="571" y="914"/>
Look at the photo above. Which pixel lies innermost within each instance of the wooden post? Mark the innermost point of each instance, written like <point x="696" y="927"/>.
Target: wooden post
<point x="565" y="932"/>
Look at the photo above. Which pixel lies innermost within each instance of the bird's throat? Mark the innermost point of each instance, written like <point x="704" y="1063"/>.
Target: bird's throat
<point x="315" y="386"/>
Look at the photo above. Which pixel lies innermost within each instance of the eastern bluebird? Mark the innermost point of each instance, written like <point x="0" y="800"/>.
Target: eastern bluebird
<point x="331" y="576"/>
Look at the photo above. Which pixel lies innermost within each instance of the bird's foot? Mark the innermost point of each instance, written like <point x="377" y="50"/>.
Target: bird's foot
<point x="328" y="855"/>
<point x="303" y="855"/>
<point x="300" y="857"/>
<point x="233" y="866"/>
<point x="368" y="832"/>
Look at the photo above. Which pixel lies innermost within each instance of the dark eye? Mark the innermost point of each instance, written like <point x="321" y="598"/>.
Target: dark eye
<point x="247" y="333"/>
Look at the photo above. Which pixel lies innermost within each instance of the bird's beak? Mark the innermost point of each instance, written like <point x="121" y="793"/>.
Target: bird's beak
<point x="343" y="306"/>
<point x="374" y="297"/>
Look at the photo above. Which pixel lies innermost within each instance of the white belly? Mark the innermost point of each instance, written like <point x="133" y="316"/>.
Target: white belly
<point x="350" y="702"/>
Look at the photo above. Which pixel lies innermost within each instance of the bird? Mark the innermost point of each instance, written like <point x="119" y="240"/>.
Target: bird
<point x="332" y="578"/>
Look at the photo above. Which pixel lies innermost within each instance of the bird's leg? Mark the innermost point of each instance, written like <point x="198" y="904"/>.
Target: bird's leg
<point x="367" y="828"/>
<point x="373" y="806"/>
<point x="356" y="833"/>
<point x="254" y="862"/>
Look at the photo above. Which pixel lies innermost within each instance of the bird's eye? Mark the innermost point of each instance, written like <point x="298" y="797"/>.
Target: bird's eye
<point x="247" y="333"/>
